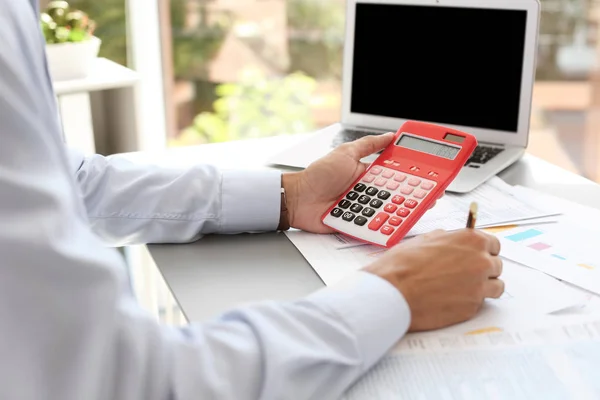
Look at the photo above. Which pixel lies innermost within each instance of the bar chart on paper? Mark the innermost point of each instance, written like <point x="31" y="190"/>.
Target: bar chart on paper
<point x="566" y="251"/>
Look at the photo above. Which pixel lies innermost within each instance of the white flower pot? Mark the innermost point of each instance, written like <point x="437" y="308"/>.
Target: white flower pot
<point x="72" y="60"/>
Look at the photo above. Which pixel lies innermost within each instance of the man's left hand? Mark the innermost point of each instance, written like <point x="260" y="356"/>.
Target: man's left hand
<point x="312" y="192"/>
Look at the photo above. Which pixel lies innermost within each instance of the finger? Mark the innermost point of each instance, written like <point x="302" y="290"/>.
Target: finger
<point x="496" y="269"/>
<point x="368" y="145"/>
<point x="493" y="288"/>
<point x="493" y="245"/>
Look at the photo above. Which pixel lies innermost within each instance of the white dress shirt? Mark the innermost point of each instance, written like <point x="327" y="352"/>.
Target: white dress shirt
<point x="69" y="329"/>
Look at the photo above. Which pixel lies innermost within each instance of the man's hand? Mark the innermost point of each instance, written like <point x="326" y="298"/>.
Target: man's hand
<point x="311" y="192"/>
<point x="443" y="276"/>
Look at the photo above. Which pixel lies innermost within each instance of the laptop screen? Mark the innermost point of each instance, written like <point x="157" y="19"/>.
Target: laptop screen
<point x="446" y="65"/>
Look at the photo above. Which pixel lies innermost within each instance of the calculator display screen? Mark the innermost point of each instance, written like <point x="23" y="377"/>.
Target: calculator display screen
<point x="429" y="147"/>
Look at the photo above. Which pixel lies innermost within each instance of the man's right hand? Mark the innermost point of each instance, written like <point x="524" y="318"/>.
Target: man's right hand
<point x="444" y="277"/>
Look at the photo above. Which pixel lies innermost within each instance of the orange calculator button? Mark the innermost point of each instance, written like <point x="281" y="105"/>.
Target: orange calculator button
<point x="390" y="208"/>
<point x="398" y="199"/>
<point x="403" y="212"/>
<point x="387" y="230"/>
<point x="410" y="203"/>
<point x="379" y="220"/>
<point x="395" y="221"/>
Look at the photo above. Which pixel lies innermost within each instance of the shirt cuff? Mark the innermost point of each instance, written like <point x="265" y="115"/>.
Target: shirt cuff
<point x="374" y="310"/>
<point x="251" y="201"/>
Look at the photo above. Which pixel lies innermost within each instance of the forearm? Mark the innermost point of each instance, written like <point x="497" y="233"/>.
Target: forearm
<point x="129" y="203"/>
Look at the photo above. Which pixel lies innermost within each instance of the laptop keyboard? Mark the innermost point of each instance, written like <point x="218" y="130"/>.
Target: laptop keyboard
<point x="350" y="135"/>
<point x="480" y="156"/>
<point x="483" y="154"/>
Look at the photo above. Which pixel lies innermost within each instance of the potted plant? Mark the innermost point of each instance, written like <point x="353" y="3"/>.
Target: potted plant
<point x="71" y="46"/>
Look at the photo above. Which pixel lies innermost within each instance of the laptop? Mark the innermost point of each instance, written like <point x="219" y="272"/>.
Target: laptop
<point x="468" y="65"/>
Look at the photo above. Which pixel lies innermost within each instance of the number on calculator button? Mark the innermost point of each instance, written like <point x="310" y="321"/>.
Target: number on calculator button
<point x="356" y="208"/>
<point x="410" y="203"/>
<point x="372" y="191"/>
<point x="376" y="203"/>
<point x="384" y="195"/>
<point x="352" y="195"/>
<point x="379" y="220"/>
<point x="360" y="187"/>
<point x="336" y="212"/>
<point x="344" y="204"/>
<point x="364" y="199"/>
<point x="368" y="212"/>
<point x="348" y="216"/>
<point x="387" y="230"/>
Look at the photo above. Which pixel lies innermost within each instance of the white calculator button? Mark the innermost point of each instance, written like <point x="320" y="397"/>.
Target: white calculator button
<point x="392" y="185"/>
<point x="400" y="177"/>
<point x="376" y="170"/>
<point x="419" y="194"/>
<point x="388" y="174"/>
<point x="369" y="178"/>
<point x="427" y="185"/>
<point x="414" y="181"/>
<point x="406" y="190"/>
<point x="380" y="182"/>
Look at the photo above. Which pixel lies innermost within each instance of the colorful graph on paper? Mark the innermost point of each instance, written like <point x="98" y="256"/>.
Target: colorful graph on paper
<point x="564" y="250"/>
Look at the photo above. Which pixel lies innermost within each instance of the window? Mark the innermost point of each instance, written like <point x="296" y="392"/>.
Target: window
<point x="253" y="68"/>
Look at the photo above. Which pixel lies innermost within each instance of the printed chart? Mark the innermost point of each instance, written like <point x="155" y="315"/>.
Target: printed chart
<point x="565" y="251"/>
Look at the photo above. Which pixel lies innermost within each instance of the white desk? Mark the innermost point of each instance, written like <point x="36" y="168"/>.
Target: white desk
<point x="220" y="272"/>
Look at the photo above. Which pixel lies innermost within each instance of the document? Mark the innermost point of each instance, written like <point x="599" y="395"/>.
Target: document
<point x="554" y="363"/>
<point x="497" y="205"/>
<point x="527" y="291"/>
<point x="565" y="250"/>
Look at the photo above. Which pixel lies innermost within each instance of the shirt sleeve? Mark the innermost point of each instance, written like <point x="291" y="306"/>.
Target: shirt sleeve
<point x="69" y="329"/>
<point x="132" y="203"/>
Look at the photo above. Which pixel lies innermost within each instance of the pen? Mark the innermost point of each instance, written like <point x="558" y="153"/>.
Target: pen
<point x="472" y="216"/>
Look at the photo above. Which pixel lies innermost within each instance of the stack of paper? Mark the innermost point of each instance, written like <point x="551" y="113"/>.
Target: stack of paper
<point x="552" y="276"/>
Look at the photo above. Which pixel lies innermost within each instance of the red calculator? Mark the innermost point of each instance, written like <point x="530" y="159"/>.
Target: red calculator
<point x="396" y="190"/>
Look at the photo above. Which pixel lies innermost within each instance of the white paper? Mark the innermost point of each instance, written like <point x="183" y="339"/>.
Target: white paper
<point x="554" y="363"/>
<point x="497" y="205"/>
<point x="565" y="250"/>
<point x="527" y="291"/>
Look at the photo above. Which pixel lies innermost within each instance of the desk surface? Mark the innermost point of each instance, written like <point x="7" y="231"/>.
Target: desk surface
<point x="220" y="272"/>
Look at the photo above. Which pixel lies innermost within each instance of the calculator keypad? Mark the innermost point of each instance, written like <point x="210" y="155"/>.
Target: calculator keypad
<point x="379" y="204"/>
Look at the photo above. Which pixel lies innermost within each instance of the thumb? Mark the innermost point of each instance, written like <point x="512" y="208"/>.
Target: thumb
<point x="368" y="145"/>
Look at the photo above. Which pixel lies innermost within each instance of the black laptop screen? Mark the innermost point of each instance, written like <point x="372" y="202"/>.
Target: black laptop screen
<point x="460" y="66"/>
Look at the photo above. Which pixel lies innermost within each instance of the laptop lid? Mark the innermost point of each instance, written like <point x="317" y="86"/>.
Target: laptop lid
<point x="465" y="64"/>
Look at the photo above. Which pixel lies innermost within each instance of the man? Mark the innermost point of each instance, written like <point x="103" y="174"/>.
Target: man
<point x="70" y="331"/>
